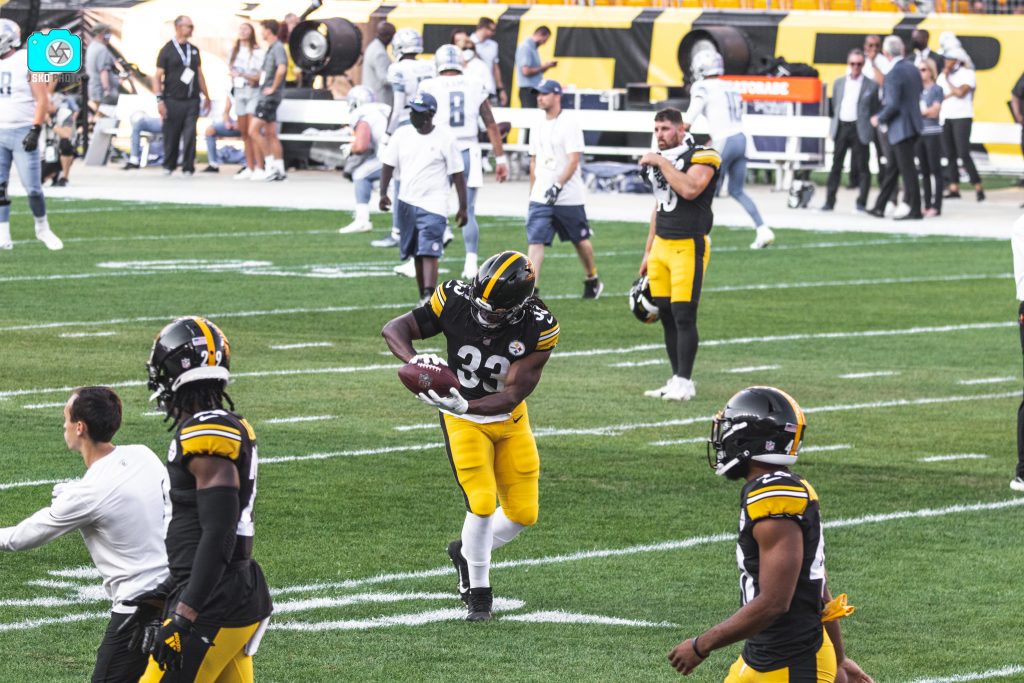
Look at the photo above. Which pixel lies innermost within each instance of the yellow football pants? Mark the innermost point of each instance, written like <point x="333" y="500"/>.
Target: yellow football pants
<point x="672" y="267"/>
<point x="498" y="460"/>
<point x="223" y="662"/>
<point x="822" y="670"/>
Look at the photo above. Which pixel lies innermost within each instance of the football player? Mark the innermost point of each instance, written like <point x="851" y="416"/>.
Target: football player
<point x="120" y="507"/>
<point x="430" y="161"/>
<point x="362" y="163"/>
<point x="24" y="104"/>
<point x="499" y="335"/>
<point x="787" y="616"/>
<point x="678" y="247"/>
<point x="460" y="99"/>
<point x="217" y="605"/>
<point x="722" y="105"/>
<point x="404" y="76"/>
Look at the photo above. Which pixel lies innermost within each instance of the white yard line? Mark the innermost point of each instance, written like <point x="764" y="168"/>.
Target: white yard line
<point x="1005" y="671"/>
<point x="830" y="447"/>
<point x="415" y="619"/>
<point x="753" y="368"/>
<point x="300" y="418"/>
<point x="36" y="482"/>
<point x="47" y="621"/>
<point x="677" y="442"/>
<point x="865" y="375"/>
<point x="560" y="617"/>
<point x="415" y="427"/>
<point x="351" y="454"/>
<point x="956" y="456"/>
<point x="43" y="406"/>
<point x="637" y="363"/>
<point x="80" y="335"/>
<point x="988" y="380"/>
<point x="306" y="345"/>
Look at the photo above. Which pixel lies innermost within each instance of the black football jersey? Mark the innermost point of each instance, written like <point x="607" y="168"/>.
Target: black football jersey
<point x="481" y="357"/>
<point x="798" y="632"/>
<point x="678" y="218"/>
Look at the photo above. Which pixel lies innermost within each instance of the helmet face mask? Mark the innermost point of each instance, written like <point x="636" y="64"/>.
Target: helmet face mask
<point x="187" y="350"/>
<point x="501" y="289"/>
<point x="759" y="424"/>
<point x="641" y="303"/>
<point x="495" y="318"/>
<point x="10" y="35"/>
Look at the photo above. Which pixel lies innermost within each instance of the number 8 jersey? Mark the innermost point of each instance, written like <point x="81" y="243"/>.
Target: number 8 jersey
<point x="481" y="357"/>
<point x="458" y="105"/>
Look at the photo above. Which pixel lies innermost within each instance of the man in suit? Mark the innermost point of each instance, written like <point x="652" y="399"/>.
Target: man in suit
<point x="854" y="102"/>
<point x="901" y="113"/>
<point x="919" y="41"/>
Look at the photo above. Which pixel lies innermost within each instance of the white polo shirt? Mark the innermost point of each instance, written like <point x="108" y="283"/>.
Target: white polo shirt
<point x="551" y="143"/>
<point x="425" y="162"/>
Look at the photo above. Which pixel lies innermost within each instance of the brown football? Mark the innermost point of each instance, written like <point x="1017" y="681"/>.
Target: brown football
<point x="422" y="377"/>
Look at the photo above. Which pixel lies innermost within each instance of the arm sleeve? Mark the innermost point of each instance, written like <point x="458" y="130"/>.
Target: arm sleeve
<point x="69" y="511"/>
<point x="218" y="509"/>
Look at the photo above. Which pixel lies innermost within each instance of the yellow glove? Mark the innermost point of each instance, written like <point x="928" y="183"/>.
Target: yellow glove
<point x="836" y="609"/>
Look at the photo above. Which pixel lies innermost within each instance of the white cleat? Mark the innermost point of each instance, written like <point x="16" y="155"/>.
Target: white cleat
<point x="660" y="391"/>
<point x="51" y="241"/>
<point x="7" y="244"/>
<point x="1017" y="484"/>
<point x="408" y="269"/>
<point x="680" y="389"/>
<point x="356" y="226"/>
<point x="765" y="237"/>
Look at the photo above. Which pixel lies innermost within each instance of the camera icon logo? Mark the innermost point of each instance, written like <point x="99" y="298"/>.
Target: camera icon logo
<point x="56" y="51"/>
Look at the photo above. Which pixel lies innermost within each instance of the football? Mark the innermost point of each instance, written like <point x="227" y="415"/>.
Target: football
<point x="422" y="377"/>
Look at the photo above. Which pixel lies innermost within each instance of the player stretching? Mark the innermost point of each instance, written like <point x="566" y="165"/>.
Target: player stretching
<point x="499" y="336"/>
<point x="23" y="109"/>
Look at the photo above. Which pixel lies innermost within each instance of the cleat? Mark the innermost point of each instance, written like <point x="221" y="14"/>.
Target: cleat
<point x="660" y="391"/>
<point x="356" y="226"/>
<point x="765" y="237"/>
<point x="680" y="389"/>
<point x="592" y="288"/>
<point x="461" y="569"/>
<point x="1017" y="484"/>
<point x="51" y="241"/>
<point x="479" y="605"/>
<point x="385" y="242"/>
<point x="6" y="245"/>
<point x="408" y="269"/>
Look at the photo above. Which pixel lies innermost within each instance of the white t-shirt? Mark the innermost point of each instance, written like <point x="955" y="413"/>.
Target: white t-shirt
<point x="425" y="162"/>
<point x="1017" y="244"/>
<point x="405" y="77"/>
<point x="122" y="507"/>
<point x="884" y="65"/>
<point x="958" y="107"/>
<point x="487" y="51"/>
<point x="458" y="104"/>
<point x="551" y="143"/>
<point x="375" y="114"/>
<point x="17" y="106"/>
<point x="721" y="104"/>
<point x="247" y="62"/>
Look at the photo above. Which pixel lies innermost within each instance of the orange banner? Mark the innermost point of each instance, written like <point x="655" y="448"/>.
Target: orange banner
<point x="772" y="89"/>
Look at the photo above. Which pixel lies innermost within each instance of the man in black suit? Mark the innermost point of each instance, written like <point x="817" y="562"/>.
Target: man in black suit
<point x="901" y="113"/>
<point x="854" y="101"/>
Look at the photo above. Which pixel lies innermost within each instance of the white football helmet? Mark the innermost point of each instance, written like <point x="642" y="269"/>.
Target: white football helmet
<point x="407" y="41"/>
<point x="10" y="35"/>
<point x="707" y="63"/>
<point x="448" y="58"/>
<point x="358" y="96"/>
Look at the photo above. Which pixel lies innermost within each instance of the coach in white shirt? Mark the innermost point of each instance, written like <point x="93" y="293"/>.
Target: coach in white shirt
<point x="487" y="51"/>
<point x="120" y="506"/>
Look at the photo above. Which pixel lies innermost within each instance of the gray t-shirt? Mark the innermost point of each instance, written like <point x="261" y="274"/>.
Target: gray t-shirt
<point x="98" y="59"/>
<point x="528" y="55"/>
<point x="375" y="71"/>
<point x="275" y="57"/>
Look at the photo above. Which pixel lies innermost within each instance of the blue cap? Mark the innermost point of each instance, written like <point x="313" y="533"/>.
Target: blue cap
<point x="424" y="102"/>
<point x="548" y="86"/>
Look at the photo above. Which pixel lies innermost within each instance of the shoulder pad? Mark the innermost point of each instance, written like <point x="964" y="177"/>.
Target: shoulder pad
<point x="705" y="155"/>
<point x="779" y="494"/>
<point x="213" y="432"/>
<point x="442" y="292"/>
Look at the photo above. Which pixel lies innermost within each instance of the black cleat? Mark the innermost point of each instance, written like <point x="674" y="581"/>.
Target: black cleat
<point x="461" y="568"/>
<point x="592" y="288"/>
<point x="479" y="604"/>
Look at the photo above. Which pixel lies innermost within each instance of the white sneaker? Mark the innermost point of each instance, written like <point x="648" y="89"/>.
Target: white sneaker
<point x="408" y="269"/>
<point x="259" y="175"/>
<point x="51" y="241"/>
<point x="764" y="237"/>
<point x="356" y="226"/>
<point x="7" y="244"/>
<point x="1017" y="484"/>
<point x="680" y="389"/>
<point x="274" y="175"/>
<point x="448" y="236"/>
<point x="901" y="210"/>
<point x="660" y="391"/>
<point x="244" y="174"/>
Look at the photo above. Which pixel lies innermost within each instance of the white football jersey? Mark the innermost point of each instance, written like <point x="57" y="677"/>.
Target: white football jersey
<point x="375" y="114"/>
<point x="458" y="104"/>
<point x="405" y="77"/>
<point x="721" y="104"/>
<point x="17" y="106"/>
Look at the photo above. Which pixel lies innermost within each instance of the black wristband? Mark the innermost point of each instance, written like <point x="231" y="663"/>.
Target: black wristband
<point x="37" y="127"/>
<point x="693" y="644"/>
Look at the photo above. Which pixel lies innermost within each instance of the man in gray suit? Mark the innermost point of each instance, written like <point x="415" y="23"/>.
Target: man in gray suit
<point x="854" y="101"/>
<point x="902" y="114"/>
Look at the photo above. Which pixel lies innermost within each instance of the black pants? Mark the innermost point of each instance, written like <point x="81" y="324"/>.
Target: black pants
<point x="527" y="100"/>
<point x="956" y="138"/>
<point x="114" y="662"/>
<point x="904" y="168"/>
<point x="847" y="140"/>
<point x="886" y="160"/>
<point x="929" y="156"/>
<point x="180" y="133"/>
<point x="1020" y="411"/>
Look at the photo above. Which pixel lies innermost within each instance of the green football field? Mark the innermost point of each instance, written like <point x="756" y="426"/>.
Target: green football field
<point x="903" y="351"/>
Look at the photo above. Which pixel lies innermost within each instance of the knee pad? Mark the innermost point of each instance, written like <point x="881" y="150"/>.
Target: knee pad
<point x="527" y="516"/>
<point x="481" y="503"/>
<point x="4" y="199"/>
<point x="65" y="147"/>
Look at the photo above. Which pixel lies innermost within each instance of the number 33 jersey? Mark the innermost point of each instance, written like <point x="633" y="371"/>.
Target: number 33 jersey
<point x="481" y="357"/>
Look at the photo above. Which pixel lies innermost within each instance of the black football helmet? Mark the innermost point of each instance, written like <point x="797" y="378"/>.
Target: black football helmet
<point x="500" y="289"/>
<point x="641" y="302"/>
<point x="187" y="350"/>
<point x="759" y="423"/>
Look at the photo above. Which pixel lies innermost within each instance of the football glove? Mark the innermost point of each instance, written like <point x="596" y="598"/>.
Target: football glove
<point x="453" y="403"/>
<point x="145" y="621"/>
<point x="170" y="639"/>
<point x="551" y="196"/>
<point x="31" y="141"/>
<point x="837" y="608"/>
<point x="346" y="150"/>
<point x="428" y="359"/>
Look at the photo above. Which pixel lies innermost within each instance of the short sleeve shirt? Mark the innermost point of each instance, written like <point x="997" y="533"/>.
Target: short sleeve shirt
<point x="958" y="107"/>
<point x="551" y="143"/>
<point x="424" y="162"/>
<point x="275" y="57"/>
<point x="528" y="55"/>
<point x="174" y="59"/>
<point x="97" y="60"/>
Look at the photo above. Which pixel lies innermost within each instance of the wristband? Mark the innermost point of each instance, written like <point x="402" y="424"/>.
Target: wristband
<point x="693" y="644"/>
<point x="501" y="160"/>
<point x="558" y="185"/>
<point x="159" y="98"/>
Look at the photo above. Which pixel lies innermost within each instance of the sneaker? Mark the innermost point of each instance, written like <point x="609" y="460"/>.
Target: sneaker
<point x="479" y="604"/>
<point x="1017" y="484"/>
<point x="461" y="568"/>
<point x="980" y="194"/>
<point x="6" y="244"/>
<point x="51" y="241"/>
<point x="408" y="269"/>
<point x="951" y="195"/>
<point x="168" y="171"/>
<point x="765" y="237"/>
<point x="592" y="288"/>
<point x="274" y="176"/>
<point x="827" y="207"/>
<point x="244" y="174"/>
<point x="188" y="174"/>
<point x="860" y="208"/>
<point x="129" y="165"/>
<point x="59" y="182"/>
<point x="211" y="169"/>
<point x="680" y="389"/>
<point x="259" y="175"/>
<point x="660" y="391"/>
<point x="385" y="242"/>
<point x="356" y="226"/>
<point x="448" y="236"/>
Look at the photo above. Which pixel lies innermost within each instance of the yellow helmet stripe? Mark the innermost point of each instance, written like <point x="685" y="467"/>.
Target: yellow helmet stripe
<point x="801" y="421"/>
<point x="497" y="274"/>
<point x="210" y="346"/>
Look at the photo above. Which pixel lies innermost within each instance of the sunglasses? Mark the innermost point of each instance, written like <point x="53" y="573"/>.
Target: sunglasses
<point x="856" y="63"/>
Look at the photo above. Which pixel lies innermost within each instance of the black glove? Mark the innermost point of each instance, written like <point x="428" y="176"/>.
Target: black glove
<point x="551" y="196"/>
<point x="31" y="141"/>
<point x="170" y="640"/>
<point x="145" y="622"/>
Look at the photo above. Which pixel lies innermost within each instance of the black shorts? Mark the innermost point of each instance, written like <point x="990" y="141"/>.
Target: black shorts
<point x="266" y="109"/>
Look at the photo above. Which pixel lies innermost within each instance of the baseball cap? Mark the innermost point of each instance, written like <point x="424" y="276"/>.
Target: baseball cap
<point x="548" y="86"/>
<point x="424" y="102"/>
